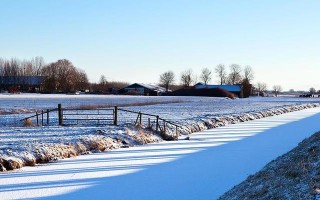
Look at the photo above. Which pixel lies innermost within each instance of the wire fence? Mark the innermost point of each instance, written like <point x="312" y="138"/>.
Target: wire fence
<point x="109" y="116"/>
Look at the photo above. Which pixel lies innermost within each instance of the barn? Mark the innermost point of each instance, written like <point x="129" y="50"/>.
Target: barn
<point x="143" y="89"/>
<point x="235" y="89"/>
<point x="21" y="83"/>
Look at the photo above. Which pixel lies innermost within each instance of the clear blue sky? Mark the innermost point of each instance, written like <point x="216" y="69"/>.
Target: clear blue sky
<point x="136" y="40"/>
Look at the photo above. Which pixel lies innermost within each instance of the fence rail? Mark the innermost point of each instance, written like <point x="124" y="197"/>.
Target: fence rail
<point x="76" y="116"/>
<point x="108" y="116"/>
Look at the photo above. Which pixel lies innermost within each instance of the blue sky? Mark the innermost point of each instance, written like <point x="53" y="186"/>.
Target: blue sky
<point x="135" y="41"/>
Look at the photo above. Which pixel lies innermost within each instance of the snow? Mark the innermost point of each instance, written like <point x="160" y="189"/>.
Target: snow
<point x="186" y="108"/>
<point x="54" y="142"/>
<point x="204" y="167"/>
<point x="47" y="101"/>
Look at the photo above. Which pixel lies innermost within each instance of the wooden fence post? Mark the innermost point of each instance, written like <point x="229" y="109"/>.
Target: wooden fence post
<point x="60" y="114"/>
<point x="37" y="118"/>
<point x="140" y="120"/>
<point x="177" y="131"/>
<point x="41" y="117"/>
<point x="157" y="124"/>
<point x="115" y="122"/>
<point x="47" y="117"/>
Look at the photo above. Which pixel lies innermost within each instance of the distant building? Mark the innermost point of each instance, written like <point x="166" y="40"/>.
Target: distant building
<point x="21" y="83"/>
<point x="142" y="89"/>
<point x="235" y="89"/>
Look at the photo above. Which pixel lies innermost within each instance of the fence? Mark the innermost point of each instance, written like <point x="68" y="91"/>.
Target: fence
<point x="87" y="116"/>
<point x="110" y="116"/>
<point x="41" y="117"/>
<point x="149" y="121"/>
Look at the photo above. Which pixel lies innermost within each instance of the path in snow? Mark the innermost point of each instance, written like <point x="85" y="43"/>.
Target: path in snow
<point x="201" y="168"/>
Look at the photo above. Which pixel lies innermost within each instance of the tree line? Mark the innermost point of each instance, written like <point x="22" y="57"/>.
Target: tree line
<point x="235" y="75"/>
<point x="232" y="75"/>
<point x="63" y="76"/>
<point x="59" y="76"/>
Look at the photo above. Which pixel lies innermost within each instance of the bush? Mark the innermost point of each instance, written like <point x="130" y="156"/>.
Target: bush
<point x="28" y="122"/>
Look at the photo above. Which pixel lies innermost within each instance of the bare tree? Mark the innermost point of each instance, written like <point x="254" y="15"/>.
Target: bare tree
<point x="206" y="75"/>
<point x="187" y="78"/>
<point x="221" y="72"/>
<point x="103" y="80"/>
<point x="82" y="82"/>
<point x="15" y="67"/>
<point x="37" y="64"/>
<point x="235" y="74"/>
<point x="261" y="87"/>
<point x="62" y="76"/>
<point x="248" y="73"/>
<point x="167" y="79"/>
<point x="1" y="67"/>
<point x="277" y="89"/>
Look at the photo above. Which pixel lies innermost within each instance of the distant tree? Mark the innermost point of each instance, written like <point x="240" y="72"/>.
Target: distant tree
<point x="248" y="73"/>
<point x="312" y="90"/>
<point x="234" y="76"/>
<point x="246" y="88"/>
<point x="221" y="73"/>
<point x="117" y="84"/>
<point x="15" y="67"/>
<point x="206" y="75"/>
<point x="103" y="80"/>
<point x="261" y="87"/>
<point x="291" y="90"/>
<point x="37" y="64"/>
<point x="62" y="76"/>
<point x="187" y="78"/>
<point x="82" y="82"/>
<point x="1" y="66"/>
<point x="277" y="89"/>
<point x="167" y="79"/>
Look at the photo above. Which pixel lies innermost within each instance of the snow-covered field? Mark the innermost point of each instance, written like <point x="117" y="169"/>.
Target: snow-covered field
<point x="204" y="167"/>
<point x="184" y="108"/>
<point x="11" y="102"/>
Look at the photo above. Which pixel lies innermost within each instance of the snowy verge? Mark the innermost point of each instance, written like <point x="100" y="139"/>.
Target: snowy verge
<point x="99" y="140"/>
<point x="191" y="126"/>
<point x="104" y="140"/>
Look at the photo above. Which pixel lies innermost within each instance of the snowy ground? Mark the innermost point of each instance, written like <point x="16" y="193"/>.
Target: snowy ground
<point x="204" y="167"/>
<point x="191" y="110"/>
<point x="187" y="108"/>
<point x="27" y="101"/>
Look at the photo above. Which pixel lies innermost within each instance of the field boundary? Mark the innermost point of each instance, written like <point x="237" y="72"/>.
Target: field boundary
<point x="106" y="116"/>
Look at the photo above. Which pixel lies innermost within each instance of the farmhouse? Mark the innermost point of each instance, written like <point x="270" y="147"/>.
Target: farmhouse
<point x="143" y="89"/>
<point x="21" y="83"/>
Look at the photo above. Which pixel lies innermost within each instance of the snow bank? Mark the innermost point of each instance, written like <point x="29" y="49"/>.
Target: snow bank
<point x="191" y="126"/>
<point x="98" y="141"/>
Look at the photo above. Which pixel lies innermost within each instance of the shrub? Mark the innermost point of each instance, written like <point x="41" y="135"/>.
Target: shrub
<point x="28" y="122"/>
